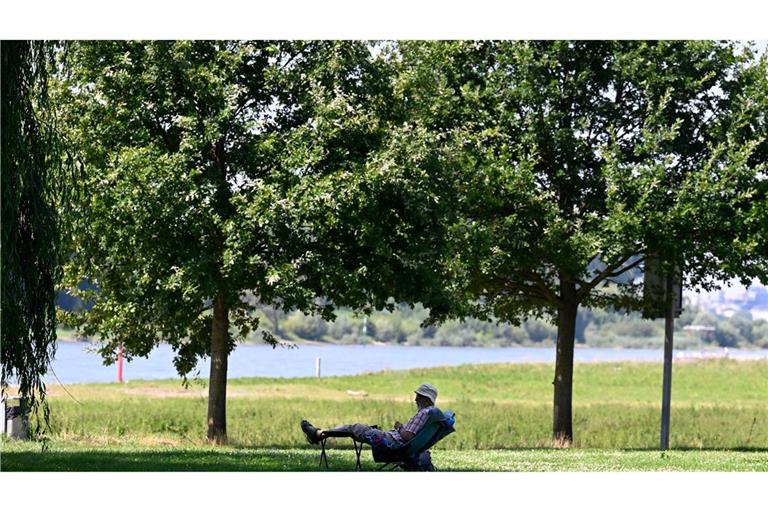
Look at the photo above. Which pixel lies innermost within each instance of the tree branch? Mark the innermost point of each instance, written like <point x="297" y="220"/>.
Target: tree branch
<point x="540" y="286"/>
<point x="524" y="289"/>
<point x="628" y="267"/>
<point x="608" y="271"/>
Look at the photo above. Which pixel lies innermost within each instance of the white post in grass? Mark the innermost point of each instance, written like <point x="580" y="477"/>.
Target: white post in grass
<point x="317" y="367"/>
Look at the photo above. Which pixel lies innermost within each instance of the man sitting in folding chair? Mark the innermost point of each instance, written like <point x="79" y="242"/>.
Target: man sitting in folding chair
<point x="392" y="440"/>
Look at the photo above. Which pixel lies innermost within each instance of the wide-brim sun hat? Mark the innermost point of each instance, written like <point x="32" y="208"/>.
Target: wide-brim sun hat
<point x="429" y="391"/>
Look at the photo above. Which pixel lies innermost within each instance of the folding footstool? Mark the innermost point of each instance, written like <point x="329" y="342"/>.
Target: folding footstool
<point x="330" y="433"/>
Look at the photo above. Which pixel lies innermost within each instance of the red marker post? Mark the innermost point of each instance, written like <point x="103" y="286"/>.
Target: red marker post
<point x="120" y="364"/>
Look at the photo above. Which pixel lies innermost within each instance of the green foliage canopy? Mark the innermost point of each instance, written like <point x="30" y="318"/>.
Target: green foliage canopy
<point x="573" y="160"/>
<point x="569" y="162"/>
<point x="193" y="150"/>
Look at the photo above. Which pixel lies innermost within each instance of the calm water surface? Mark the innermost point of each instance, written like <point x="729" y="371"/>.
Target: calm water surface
<point x="76" y="363"/>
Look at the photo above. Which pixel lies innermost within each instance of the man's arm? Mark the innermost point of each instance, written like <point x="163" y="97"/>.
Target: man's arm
<point x="416" y="423"/>
<point x="405" y="435"/>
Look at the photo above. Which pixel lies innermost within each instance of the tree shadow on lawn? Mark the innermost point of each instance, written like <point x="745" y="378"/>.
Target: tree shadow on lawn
<point x="742" y="449"/>
<point x="244" y="458"/>
<point x="166" y="460"/>
<point x="345" y="445"/>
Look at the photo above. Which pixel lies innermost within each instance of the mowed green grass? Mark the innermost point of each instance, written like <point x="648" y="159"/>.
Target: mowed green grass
<point x="68" y="456"/>
<point x="504" y="415"/>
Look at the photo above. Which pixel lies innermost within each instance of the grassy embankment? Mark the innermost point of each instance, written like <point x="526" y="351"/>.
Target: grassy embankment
<point x="719" y="420"/>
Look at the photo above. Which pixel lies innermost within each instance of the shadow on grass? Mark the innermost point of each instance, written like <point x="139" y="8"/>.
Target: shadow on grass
<point x="740" y="449"/>
<point x="167" y="460"/>
<point x="343" y="446"/>
<point x="244" y="458"/>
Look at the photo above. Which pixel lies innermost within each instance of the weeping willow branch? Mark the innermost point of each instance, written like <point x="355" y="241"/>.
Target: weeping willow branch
<point x="33" y="182"/>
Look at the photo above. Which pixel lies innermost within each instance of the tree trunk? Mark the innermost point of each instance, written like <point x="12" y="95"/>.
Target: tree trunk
<point x="217" y="385"/>
<point x="562" y="424"/>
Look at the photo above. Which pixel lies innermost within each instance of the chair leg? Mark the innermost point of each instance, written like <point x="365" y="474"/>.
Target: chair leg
<point x="323" y="456"/>
<point x="358" y="449"/>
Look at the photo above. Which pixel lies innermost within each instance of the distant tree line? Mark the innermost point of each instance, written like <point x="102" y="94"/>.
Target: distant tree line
<point x="597" y="328"/>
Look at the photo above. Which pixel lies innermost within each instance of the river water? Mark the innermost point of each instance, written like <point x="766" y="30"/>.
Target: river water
<point x="76" y="363"/>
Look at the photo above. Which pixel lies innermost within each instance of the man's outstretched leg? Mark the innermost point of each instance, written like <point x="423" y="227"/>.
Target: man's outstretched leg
<point x="358" y="431"/>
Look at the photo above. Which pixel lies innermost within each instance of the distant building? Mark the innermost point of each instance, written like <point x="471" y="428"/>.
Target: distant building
<point x="733" y="298"/>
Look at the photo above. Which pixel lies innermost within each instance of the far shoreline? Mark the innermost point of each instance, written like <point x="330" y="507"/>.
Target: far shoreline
<point x="683" y="347"/>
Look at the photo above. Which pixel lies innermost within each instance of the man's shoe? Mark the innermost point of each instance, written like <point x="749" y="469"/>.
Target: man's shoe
<point x="310" y="432"/>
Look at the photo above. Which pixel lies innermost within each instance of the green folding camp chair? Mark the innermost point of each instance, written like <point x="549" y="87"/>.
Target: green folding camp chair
<point x="407" y="457"/>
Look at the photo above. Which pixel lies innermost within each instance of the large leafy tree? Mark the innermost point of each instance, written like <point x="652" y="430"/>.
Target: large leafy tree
<point x="193" y="151"/>
<point x="570" y="163"/>
<point x="35" y="181"/>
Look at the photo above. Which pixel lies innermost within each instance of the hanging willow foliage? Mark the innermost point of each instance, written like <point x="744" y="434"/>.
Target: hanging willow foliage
<point x="33" y="187"/>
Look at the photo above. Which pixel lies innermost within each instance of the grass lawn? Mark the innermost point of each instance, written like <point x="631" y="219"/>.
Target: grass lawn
<point x="132" y="457"/>
<point x="719" y="421"/>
